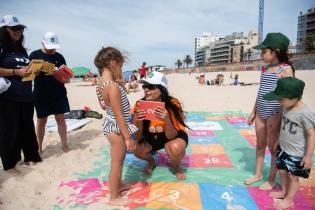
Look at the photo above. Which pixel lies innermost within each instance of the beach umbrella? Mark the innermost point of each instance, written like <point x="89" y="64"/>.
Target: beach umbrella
<point x="80" y="71"/>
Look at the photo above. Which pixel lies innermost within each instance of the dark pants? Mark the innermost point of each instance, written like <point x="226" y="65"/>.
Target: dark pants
<point x="17" y="132"/>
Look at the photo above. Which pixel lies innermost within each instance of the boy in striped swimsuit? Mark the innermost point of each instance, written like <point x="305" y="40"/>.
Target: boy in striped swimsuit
<point x="267" y="115"/>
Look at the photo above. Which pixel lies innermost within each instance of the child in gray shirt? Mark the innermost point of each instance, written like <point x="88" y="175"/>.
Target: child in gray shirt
<point x="297" y="139"/>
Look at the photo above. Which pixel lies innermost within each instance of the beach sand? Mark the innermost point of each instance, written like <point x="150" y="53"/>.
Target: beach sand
<point x="36" y="187"/>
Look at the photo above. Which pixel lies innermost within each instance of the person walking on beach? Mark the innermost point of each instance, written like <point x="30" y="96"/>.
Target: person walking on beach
<point x="117" y="126"/>
<point x="17" y="131"/>
<point x="143" y="71"/>
<point x="50" y="94"/>
<point x="297" y="139"/>
<point x="267" y="114"/>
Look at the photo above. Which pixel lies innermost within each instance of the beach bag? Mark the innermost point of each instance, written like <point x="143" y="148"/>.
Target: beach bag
<point x="4" y="84"/>
<point x="93" y="114"/>
<point x="75" y="114"/>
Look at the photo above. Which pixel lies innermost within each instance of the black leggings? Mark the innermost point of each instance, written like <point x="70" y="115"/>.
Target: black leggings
<point x="17" y="132"/>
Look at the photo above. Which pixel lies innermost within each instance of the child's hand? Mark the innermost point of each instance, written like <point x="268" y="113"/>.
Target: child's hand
<point x="160" y="112"/>
<point x="251" y="118"/>
<point x="307" y="162"/>
<point x="140" y="115"/>
<point x="131" y="145"/>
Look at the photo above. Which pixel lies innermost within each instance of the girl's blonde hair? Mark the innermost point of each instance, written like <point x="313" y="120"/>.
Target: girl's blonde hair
<point x="105" y="56"/>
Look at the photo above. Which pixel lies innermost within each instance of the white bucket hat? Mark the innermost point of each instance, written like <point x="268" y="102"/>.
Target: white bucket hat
<point x="51" y="41"/>
<point x="10" y="20"/>
<point x="155" y="78"/>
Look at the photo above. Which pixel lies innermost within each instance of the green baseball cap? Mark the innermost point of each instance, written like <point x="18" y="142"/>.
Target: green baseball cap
<point x="275" y="41"/>
<point x="288" y="87"/>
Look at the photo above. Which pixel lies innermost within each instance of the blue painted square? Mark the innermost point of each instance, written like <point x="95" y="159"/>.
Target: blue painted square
<point x="203" y="140"/>
<point x="195" y="118"/>
<point x="243" y="126"/>
<point x="215" y="196"/>
<point x="133" y="160"/>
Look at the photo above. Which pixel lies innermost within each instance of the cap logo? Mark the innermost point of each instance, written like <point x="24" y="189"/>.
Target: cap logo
<point x="151" y="75"/>
<point x="15" y="19"/>
<point x="52" y="39"/>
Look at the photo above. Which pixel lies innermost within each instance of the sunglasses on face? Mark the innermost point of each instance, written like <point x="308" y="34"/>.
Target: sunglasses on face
<point x="149" y="87"/>
<point x="17" y="28"/>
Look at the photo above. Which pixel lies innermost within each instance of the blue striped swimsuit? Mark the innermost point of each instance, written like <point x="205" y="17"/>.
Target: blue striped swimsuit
<point x="268" y="83"/>
<point x="110" y="125"/>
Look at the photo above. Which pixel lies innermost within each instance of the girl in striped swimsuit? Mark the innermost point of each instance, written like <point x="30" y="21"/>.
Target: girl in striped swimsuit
<point x="266" y="114"/>
<point x="117" y="127"/>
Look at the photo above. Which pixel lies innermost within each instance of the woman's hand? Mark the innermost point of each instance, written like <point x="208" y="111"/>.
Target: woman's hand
<point x="161" y="113"/>
<point x="22" y="72"/>
<point x="131" y="145"/>
<point x="140" y="115"/>
<point x="251" y="118"/>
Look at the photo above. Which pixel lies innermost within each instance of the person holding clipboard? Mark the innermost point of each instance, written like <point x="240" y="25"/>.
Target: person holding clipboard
<point x="160" y="120"/>
<point x="50" y="93"/>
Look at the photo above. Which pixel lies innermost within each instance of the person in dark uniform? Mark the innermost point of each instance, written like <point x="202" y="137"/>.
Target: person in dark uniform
<point x="50" y="94"/>
<point x="17" y="131"/>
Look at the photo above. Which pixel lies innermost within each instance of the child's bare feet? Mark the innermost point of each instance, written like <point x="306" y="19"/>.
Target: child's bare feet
<point x="65" y="148"/>
<point x="180" y="174"/>
<point x="253" y="180"/>
<point x="125" y="187"/>
<point x="267" y="186"/>
<point x="30" y="163"/>
<point x="277" y="195"/>
<point x="284" y="204"/>
<point x="121" y="201"/>
<point x="149" y="168"/>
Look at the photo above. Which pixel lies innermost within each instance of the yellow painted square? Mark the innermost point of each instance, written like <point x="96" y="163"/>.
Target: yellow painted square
<point x="210" y="149"/>
<point x="247" y="132"/>
<point x="174" y="195"/>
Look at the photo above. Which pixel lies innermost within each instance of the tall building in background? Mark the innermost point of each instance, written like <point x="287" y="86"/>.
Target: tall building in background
<point x="232" y="48"/>
<point x="305" y="30"/>
<point x="200" y="42"/>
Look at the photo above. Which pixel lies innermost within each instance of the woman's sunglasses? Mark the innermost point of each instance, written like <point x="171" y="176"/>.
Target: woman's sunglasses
<point x="149" y="87"/>
<point x="17" y="28"/>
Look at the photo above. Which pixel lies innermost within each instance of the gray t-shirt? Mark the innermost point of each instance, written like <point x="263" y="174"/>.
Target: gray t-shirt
<point x="293" y="130"/>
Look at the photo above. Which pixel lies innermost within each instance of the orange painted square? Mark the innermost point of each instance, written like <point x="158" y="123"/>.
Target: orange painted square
<point x="174" y="195"/>
<point x="247" y="132"/>
<point x="211" y="149"/>
<point x="209" y="118"/>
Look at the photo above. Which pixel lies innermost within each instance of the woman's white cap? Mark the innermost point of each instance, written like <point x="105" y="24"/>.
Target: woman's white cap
<point x="155" y="78"/>
<point x="10" y="20"/>
<point x="51" y="41"/>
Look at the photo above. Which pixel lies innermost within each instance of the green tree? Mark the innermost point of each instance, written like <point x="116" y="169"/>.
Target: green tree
<point x="188" y="60"/>
<point x="310" y="43"/>
<point x="178" y="63"/>
<point x="249" y="52"/>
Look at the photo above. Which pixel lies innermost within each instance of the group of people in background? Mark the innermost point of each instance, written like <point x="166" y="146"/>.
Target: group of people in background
<point x="283" y="122"/>
<point x="49" y="96"/>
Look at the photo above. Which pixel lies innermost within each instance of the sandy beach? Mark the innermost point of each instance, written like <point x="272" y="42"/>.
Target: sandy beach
<point x="36" y="187"/>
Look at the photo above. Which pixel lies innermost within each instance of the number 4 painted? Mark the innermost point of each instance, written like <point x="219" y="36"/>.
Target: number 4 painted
<point x="227" y="197"/>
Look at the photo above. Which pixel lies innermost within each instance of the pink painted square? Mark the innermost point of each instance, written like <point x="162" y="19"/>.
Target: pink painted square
<point x="263" y="201"/>
<point x="200" y="133"/>
<point x="234" y="120"/>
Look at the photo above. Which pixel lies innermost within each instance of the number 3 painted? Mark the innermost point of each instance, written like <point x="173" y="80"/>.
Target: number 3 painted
<point x="174" y="194"/>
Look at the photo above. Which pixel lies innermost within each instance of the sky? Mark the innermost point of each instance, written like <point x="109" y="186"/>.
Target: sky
<point x="154" y="31"/>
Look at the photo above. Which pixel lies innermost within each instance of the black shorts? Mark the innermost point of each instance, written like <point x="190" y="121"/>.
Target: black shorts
<point x="158" y="140"/>
<point x="58" y="106"/>
<point x="291" y="164"/>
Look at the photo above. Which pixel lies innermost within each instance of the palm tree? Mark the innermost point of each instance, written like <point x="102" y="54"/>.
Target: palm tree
<point x="187" y="60"/>
<point x="249" y="53"/>
<point x="178" y="63"/>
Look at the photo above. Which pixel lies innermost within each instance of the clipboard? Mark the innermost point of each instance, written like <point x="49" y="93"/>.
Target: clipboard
<point x="148" y="108"/>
